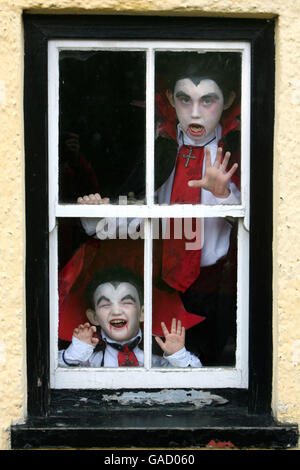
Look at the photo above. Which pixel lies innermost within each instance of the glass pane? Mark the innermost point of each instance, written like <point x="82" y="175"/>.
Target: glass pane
<point x="195" y="281"/>
<point x="100" y="283"/>
<point x="197" y="123"/>
<point x="102" y="125"/>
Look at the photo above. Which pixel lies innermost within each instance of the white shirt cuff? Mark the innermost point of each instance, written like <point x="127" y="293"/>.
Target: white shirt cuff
<point x="183" y="358"/>
<point x="233" y="198"/>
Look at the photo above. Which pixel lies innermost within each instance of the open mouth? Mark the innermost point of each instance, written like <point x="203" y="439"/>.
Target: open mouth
<point x="196" y="130"/>
<point x="118" y="323"/>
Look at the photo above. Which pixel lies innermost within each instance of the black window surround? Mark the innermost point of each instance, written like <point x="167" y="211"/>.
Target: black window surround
<point x="72" y="418"/>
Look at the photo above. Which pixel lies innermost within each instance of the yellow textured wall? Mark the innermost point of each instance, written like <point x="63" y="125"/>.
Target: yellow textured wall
<point x="286" y="384"/>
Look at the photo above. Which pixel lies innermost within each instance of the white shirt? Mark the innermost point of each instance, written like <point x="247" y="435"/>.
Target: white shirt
<point x="81" y="354"/>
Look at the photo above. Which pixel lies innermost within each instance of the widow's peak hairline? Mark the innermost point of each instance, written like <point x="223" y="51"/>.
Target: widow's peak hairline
<point x="195" y="79"/>
<point x="114" y="275"/>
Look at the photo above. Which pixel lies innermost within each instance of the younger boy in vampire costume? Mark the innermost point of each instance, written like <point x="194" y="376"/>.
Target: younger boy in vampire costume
<point x="198" y="133"/>
<point x="116" y="300"/>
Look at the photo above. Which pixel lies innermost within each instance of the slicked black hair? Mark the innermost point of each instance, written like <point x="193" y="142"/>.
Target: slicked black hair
<point x="115" y="275"/>
<point x="222" y="67"/>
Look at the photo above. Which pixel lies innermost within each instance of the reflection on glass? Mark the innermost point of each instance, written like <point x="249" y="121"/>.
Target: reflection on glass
<point x="194" y="281"/>
<point x="100" y="301"/>
<point x="102" y="125"/>
<point x="197" y="148"/>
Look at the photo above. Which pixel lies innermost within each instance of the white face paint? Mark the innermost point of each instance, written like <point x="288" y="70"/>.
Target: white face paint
<point x="198" y="107"/>
<point x="117" y="310"/>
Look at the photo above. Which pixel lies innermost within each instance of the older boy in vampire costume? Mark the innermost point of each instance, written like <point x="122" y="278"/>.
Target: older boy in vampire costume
<point x="198" y="131"/>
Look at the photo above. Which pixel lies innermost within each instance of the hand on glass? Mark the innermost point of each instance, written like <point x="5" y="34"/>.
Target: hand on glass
<point x="97" y="199"/>
<point x="93" y="199"/>
<point x="216" y="178"/>
<point x="85" y="333"/>
<point x="174" y="340"/>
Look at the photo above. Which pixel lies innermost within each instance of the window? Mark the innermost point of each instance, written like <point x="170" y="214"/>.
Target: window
<point x="111" y="78"/>
<point x="75" y="400"/>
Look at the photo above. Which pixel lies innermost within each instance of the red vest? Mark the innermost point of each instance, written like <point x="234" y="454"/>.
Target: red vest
<point x="180" y="265"/>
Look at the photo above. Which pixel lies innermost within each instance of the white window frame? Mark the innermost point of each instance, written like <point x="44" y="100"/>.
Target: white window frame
<point x="147" y="377"/>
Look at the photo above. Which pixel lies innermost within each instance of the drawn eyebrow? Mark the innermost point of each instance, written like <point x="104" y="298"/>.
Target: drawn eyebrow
<point x="181" y="94"/>
<point x="102" y="298"/>
<point x="211" y="95"/>
<point x="128" y="297"/>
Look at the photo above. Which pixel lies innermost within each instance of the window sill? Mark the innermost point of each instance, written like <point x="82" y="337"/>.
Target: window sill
<point x="77" y="421"/>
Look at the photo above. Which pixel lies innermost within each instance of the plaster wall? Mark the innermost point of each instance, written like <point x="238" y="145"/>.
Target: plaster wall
<point x="286" y="384"/>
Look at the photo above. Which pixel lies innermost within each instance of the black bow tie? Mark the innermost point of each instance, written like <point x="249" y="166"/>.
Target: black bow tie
<point x="126" y="356"/>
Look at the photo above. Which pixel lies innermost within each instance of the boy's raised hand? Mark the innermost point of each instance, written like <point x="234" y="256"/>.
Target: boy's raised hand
<point x="85" y="333"/>
<point x="174" y="340"/>
<point x="216" y="178"/>
<point x="93" y="199"/>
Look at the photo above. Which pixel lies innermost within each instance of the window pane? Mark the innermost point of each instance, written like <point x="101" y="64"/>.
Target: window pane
<point x="102" y="124"/>
<point x="195" y="281"/>
<point x="197" y="112"/>
<point x="100" y="283"/>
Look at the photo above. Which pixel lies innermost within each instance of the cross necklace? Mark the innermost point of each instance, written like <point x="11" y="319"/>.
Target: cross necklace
<point x="189" y="157"/>
<point x="127" y="361"/>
